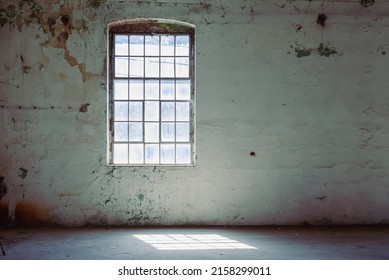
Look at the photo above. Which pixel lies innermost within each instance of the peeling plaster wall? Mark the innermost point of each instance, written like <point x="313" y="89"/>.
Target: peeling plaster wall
<point x="292" y="116"/>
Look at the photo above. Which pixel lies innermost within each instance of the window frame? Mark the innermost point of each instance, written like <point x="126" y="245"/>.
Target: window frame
<point x="149" y="27"/>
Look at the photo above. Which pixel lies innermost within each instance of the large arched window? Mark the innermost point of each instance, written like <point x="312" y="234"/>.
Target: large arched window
<point x="151" y="92"/>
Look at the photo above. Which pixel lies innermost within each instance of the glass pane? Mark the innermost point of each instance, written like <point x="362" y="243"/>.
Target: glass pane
<point x="121" y="45"/>
<point x="167" y="45"/>
<point x="121" y="111"/>
<point x="151" y="89"/>
<point x="120" y="153"/>
<point x="151" y="111"/>
<point x="120" y="89"/>
<point x="152" y="132"/>
<point x="136" y="45"/>
<point x="136" y="89"/>
<point x="136" y="67"/>
<point x="183" y="153"/>
<point x="183" y="90"/>
<point x="152" y="67"/>
<point x="182" y="132"/>
<point x="167" y="153"/>
<point x="182" y="67"/>
<point x="167" y="67"/>
<point x="152" y="45"/>
<point x="152" y="153"/>
<point x="136" y="111"/>
<point x="182" y="111"/>
<point x="182" y="45"/>
<point x="167" y="111"/>
<point x="136" y="153"/>
<point x="121" y="131"/>
<point x="167" y="89"/>
<point x="121" y="67"/>
<point x="136" y="132"/>
<point x="167" y="132"/>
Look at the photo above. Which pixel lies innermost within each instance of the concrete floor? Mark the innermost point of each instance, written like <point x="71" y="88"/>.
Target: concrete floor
<point x="270" y="243"/>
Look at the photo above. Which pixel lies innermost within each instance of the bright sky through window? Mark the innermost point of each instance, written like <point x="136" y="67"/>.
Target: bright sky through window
<point x="152" y="99"/>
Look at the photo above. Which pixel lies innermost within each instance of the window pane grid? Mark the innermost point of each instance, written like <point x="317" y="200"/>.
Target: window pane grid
<point x="165" y="118"/>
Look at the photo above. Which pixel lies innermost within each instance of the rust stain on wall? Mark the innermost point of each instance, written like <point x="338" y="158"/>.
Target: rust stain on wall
<point x="26" y="214"/>
<point x="29" y="213"/>
<point x="69" y="194"/>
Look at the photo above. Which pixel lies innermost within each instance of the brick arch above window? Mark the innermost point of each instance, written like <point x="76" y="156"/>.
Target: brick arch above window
<point x="150" y="25"/>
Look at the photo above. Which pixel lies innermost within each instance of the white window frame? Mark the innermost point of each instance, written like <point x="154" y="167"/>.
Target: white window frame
<point x="150" y="27"/>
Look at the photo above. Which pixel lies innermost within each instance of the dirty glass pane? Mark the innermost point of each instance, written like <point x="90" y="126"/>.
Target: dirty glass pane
<point x="183" y="90"/>
<point x="167" y="45"/>
<point x="121" y="67"/>
<point x="152" y="67"/>
<point x="182" y="132"/>
<point x="183" y="153"/>
<point x="167" y="132"/>
<point x="167" y="67"/>
<point x="136" y="67"/>
<point x="136" y="44"/>
<point x="182" y="45"/>
<point x="121" y="111"/>
<point x="136" y="111"/>
<point x="182" y="111"/>
<point x="136" y="89"/>
<point x="136" y="132"/>
<point x="120" y="153"/>
<point x="167" y="153"/>
<point x="167" y="111"/>
<point x="136" y="153"/>
<point x="152" y="153"/>
<point x="151" y="89"/>
<point x="120" y="89"/>
<point x="151" y="111"/>
<point x="121" y="131"/>
<point x="167" y="89"/>
<point x="121" y="45"/>
<point x="152" y="45"/>
<point x="152" y="132"/>
<point x="182" y="67"/>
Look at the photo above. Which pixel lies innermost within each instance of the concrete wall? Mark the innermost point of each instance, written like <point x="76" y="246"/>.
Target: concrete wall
<point x="292" y="115"/>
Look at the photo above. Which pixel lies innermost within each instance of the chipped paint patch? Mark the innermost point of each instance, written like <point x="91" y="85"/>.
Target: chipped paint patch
<point x="141" y="197"/>
<point x="367" y="3"/>
<point x="321" y="50"/>
<point x="22" y="172"/>
<point x="58" y="25"/>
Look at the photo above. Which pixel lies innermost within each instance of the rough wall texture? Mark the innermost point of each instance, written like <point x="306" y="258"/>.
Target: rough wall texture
<point x="292" y="115"/>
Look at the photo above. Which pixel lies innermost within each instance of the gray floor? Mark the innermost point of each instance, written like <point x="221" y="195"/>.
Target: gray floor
<point x="270" y="243"/>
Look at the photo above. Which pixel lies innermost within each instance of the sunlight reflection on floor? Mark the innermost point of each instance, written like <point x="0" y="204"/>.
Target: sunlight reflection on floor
<point x="191" y="242"/>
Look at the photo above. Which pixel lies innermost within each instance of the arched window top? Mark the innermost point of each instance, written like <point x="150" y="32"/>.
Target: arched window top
<point x="150" y="25"/>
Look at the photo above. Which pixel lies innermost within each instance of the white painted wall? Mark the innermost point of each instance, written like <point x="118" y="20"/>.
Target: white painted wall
<point x="318" y="125"/>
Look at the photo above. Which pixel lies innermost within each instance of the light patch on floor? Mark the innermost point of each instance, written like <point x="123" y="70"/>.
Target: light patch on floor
<point x="191" y="242"/>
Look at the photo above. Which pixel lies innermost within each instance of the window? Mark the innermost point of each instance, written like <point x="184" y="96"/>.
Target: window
<point x="151" y="93"/>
